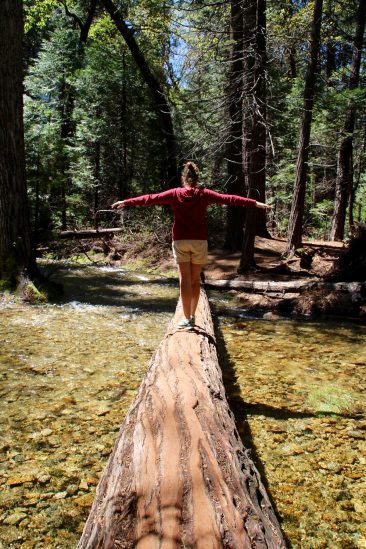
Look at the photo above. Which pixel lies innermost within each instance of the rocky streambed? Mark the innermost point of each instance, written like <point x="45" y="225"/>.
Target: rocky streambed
<point x="70" y="371"/>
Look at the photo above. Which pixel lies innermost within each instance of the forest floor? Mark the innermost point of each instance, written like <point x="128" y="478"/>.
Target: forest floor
<point x="269" y="253"/>
<point x="285" y="276"/>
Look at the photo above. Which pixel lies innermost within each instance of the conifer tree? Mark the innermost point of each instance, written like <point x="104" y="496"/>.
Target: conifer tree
<point x="15" y="237"/>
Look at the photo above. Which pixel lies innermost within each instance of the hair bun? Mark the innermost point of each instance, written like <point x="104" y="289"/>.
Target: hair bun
<point x="190" y="174"/>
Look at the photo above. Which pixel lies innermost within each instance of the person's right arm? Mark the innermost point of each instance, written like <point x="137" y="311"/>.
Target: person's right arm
<point x="146" y="200"/>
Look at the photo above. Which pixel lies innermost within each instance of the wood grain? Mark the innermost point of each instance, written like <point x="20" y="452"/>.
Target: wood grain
<point x="179" y="475"/>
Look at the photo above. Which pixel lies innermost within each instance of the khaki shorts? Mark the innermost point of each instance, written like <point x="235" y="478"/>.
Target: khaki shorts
<point x="190" y="251"/>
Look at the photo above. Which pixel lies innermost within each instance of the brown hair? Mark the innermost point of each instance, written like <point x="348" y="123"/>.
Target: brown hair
<point x="190" y="174"/>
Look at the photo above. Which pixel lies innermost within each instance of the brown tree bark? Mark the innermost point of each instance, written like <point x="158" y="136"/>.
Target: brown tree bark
<point x="344" y="180"/>
<point x="298" y="202"/>
<point x="259" y="122"/>
<point x="234" y="94"/>
<point x="15" y="233"/>
<point x="254" y="126"/>
<point x="156" y="89"/>
<point x="247" y="173"/>
<point x="179" y="475"/>
<point x="250" y="16"/>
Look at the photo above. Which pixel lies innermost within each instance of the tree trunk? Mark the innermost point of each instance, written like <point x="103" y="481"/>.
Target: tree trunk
<point x="234" y="94"/>
<point x="344" y="181"/>
<point x="157" y="92"/>
<point x="250" y="23"/>
<point x="258" y="164"/>
<point x="37" y="203"/>
<point x="179" y="475"/>
<point x="360" y="169"/>
<point x="15" y="233"/>
<point x="298" y="202"/>
<point x="254" y="125"/>
<point x="247" y="252"/>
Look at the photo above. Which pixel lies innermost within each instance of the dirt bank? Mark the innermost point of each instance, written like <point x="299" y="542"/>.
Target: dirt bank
<point x="313" y="265"/>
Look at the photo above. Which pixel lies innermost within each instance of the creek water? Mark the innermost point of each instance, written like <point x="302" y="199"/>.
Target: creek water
<point x="69" y="373"/>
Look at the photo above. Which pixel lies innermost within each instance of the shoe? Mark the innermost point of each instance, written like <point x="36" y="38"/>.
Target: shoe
<point x="185" y="323"/>
<point x="192" y="320"/>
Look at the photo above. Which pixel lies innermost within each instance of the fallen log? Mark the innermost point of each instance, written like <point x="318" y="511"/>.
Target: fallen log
<point x="179" y="475"/>
<point x="90" y="233"/>
<point x="298" y="286"/>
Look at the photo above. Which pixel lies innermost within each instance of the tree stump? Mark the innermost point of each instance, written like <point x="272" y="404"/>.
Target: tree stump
<point x="179" y="475"/>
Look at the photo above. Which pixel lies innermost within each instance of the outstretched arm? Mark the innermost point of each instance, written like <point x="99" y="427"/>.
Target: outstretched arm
<point x="119" y="204"/>
<point x="214" y="197"/>
<point x="164" y="197"/>
<point x="263" y="206"/>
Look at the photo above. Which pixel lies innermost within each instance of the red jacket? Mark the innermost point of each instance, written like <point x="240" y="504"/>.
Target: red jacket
<point x="189" y="206"/>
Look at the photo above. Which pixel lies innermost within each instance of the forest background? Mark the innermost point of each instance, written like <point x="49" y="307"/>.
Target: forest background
<point x="267" y="97"/>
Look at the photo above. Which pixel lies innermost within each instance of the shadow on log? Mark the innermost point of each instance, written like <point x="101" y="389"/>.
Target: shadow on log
<point x="179" y="475"/>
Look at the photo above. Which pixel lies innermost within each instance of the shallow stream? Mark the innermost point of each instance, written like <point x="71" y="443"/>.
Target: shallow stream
<point x="70" y="371"/>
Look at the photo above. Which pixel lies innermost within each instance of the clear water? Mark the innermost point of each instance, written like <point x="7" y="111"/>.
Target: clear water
<point x="298" y="391"/>
<point x="70" y="371"/>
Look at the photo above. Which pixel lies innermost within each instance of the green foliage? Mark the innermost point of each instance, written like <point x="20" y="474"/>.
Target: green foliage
<point x="202" y="44"/>
<point x="112" y="121"/>
<point x="113" y="146"/>
<point x="38" y="13"/>
<point x="48" y="86"/>
<point x="321" y="216"/>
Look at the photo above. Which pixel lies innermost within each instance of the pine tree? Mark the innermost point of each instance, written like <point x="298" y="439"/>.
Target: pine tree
<point x="15" y="237"/>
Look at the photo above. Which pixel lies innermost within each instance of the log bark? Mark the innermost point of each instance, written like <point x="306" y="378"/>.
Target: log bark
<point x="90" y="233"/>
<point x="299" y="286"/>
<point x="179" y="475"/>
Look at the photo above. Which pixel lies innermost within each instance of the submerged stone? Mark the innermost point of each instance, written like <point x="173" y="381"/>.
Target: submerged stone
<point x="15" y="518"/>
<point x="22" y="479"/>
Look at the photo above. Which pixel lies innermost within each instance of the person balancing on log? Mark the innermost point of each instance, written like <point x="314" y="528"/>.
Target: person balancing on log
<point x="189" y="203"/>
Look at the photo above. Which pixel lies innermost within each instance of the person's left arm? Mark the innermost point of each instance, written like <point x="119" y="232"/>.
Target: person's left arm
<point x="214" y="197"/>
<point x="263" y="206"/>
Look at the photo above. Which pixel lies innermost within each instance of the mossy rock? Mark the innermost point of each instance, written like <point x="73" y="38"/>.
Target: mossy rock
<point x="29" y="293"/>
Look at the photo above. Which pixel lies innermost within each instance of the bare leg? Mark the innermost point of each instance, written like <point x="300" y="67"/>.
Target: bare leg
<point x="195" y="287"/>
<point x="185" y="287"/>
